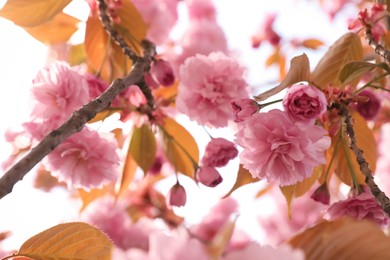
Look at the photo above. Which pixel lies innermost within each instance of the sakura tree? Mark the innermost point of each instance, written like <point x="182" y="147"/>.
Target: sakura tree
<point x="306" y="146"/>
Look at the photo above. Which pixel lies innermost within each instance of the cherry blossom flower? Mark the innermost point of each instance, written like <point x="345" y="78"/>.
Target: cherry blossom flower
<point x="59" y="90"/>
<point x="266" y="32"/>
<point x="277" y="149"/>
<point x="84" y="160"/>
<point x="219" y="152"/>
<point x="208" y="84"/>
<point x="255" y="251"/>
<point x="217" y="218"/>
<point x="369" y="109"/>
<point x="209" y="176"/>
<point x="160" y="16"/>
<point x="177" y="196"/>
<point x="362" y="206"/>
<point x="304" y="103"/>
<point x="136" y="97"/>
<point x="201" y="9"/>
<point x="244" y="108"/>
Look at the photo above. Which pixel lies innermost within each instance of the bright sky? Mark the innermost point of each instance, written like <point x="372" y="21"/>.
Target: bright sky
<point x="27" y="211"/>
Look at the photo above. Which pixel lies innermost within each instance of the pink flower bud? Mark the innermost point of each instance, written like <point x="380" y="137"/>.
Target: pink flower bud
<point x="136" y="97"/>
<point x="149" y="80"/>
<point x="209" y="176"/>
<point x="321" y="194"/>
<point x="219" y="152"/>
<point x="243" y="108"/>
<point x="369" y="110"/>
<point x="177" y="196"/>
<point x="162" y="73"/>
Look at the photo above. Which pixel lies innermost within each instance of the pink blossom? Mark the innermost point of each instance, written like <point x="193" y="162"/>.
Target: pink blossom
<point x="279" y="150"/>
<point x="84" y="160"/>
<point x="304" y="103"/>
<point x="177" y="196"/>
<point x="209" y="176"/>
<point x="97" y="86"/>
<point x="159" y="15"/>
<point x="243" y="108"/>
<point x="219" y="152"/>
<point x="136" y="97"/>
<point x="208" y="84"/>
<point x="333" y="7"/>
<point x="266" y="32"/>
<point x="255" y="251"/>
<point x="369" y="109"/>
<point x="201" y="9"/>
<point x="363" y="206"/>
<point x="59" y="91"/>
<point x="371" y="19"/>
<point x="218" y="217"/>
<point x="162" y="73"/>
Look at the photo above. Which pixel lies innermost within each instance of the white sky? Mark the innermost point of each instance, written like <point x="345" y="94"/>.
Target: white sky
<point x="27" y="211"/>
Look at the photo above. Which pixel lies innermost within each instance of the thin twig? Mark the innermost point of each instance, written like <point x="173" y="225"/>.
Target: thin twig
<point x="364" y="166"/>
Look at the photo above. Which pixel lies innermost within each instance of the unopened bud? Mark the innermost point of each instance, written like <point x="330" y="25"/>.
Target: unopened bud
<point x="209" y="176"/>
<point x="321" y="194"/>
<point x="162" y="73"/>
<point x="177" y="196"/>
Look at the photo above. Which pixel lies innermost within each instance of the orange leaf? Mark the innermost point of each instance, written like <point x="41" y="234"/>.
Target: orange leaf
<point x="347" y="164"/>
<point x="103" y="115"/>
<point x="89" y="196"/>
<point x="57" y="30"/>
<point x="273" y="58"/>
<point x="128" y="174"/>
<point x="78" y="241"/>
<point x="77" y="54"/>
<point x="312" y="43"/>
<point x="346" y="49"/>
<point x="221" y="240"/>
<point x="32" y="12"/>
<point x="299" y="71"/>
<point x="143" y="147"/>
<point x="243" y="177"/>
<point x="294" y="191"/>
<point x="343" y="239"/>
<point x="180" y="147"/>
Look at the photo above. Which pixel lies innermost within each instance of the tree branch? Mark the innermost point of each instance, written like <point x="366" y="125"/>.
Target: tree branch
<point x="364" y="166"/>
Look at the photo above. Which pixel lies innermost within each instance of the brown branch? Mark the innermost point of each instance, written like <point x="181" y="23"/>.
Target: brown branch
<point x="378" y="48"/>
<point x="364" y="166"/>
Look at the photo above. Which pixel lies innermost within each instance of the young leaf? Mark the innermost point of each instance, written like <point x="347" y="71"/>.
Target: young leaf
<point x="347" y="48"/>
<point x="299" y="71"/>
<point x="32" y="13"/>
<point x="89" y="196"/>
<point x="346" y="163"/>
<point x="294" y="191"/>
<point x="128" y="173"/>
<point x="216" y="247"/>
<point x="77" y="54"/>
<point x="103" y="115"/>
<point x="78" y="241"/>
<point x="180" y="147"/>
<point x="243" y="177"/>
<point x="354" y="69"/>
<point x="143" y="147"/>
<point x="57" y="30"/>
<point x="312" y="43"/>
<point x="343" y="239"/>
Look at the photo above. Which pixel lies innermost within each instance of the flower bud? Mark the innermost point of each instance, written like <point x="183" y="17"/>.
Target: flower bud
<point x="369" y="109"/>
<point x="162" y="73"/>
<point x="243" y="108"/>
<point x="209" y="176"/>
<point x="219" y="152"/>
<point x="177" y="196"/>
<point x="321" y="194"/>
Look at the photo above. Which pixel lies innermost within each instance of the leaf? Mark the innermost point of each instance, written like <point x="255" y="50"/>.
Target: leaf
<point x="180" y="147"/>
<point x="30" y="13"/>
<point x="77" y="54"/>
<point x="89" y="196"/>
<point x="57" y="30"/>
<point x="354" y="69"/>
<point x="366" y="142"/>
<point x="77" y="240"/>
<point x="243" y="177"/>
<point x="273" y="58"/>
<point x="312" y="43"/>
<point x="294" y="191"/>
<point x="217" y="246"/>
<point x="299" y="71"/>
<point x="103" y="55"/>
<point x="346" y="49"/>
<point x="343" y="239"/>
<point x="128" y="173"/>
<point x="104" y="114"/>
<point x="143" y="147"/>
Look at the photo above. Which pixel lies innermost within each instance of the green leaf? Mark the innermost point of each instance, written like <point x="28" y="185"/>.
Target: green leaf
<point x="180" y="147"/>
<point x="29" y="13"/>
<point x="143" y="147"/>
<point x="244" y="177"/>
<point x="299" y="71"/>
<point x="346" y="49"/>
<point x="78" y="241"/>
<point x="355" y="69"/>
